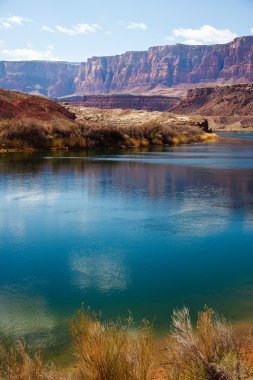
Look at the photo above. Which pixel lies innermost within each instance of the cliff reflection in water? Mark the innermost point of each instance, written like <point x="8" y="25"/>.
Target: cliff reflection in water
<point x="141" y="174"/>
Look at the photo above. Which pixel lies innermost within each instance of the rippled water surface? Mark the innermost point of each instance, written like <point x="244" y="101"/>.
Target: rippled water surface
<point x="146" y="231"/>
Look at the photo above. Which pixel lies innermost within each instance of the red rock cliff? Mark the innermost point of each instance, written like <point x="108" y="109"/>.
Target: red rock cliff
<point x="168" y="66"/>
<point x="135" y="72"/>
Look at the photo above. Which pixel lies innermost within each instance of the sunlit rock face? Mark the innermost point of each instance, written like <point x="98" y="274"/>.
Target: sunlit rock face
<point x="168" y="66"/>
<point x="155" y="70"/>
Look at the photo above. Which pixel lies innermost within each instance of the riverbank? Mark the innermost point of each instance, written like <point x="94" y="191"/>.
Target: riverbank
<point x="95" y="128"/>
<point x="29" y="122"/>
<point x="121" y="350"/>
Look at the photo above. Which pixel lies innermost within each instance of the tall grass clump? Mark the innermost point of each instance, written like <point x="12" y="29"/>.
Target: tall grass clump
<point x="118" y="351"/>
<point x="31" y="132"/>
<point x="209" y="353"/>
<point x="109" y="351"/>
<point x="18" y="363"/>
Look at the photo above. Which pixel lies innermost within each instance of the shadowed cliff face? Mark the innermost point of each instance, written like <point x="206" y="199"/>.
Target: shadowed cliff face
<point x="39" y="77"/>
<point x="155" y="70"/>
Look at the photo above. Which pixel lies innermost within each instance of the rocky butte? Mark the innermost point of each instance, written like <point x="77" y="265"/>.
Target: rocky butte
<point x="159" y="70"/>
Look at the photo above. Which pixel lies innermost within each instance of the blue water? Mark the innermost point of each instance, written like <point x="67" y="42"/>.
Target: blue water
<point x="138" y="230"/>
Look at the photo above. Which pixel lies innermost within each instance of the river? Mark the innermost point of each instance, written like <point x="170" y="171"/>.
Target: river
<point x="145" y="231"/>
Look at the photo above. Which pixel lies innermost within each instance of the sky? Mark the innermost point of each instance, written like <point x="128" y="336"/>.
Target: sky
<point x="75" y="30"/>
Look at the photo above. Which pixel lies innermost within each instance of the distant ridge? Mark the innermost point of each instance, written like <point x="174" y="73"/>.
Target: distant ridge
<point x="155" y="71"/>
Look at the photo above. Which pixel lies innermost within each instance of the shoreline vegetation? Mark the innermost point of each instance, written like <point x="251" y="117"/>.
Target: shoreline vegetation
<point x="120" y="350"/>
<point x="95" y="128"/>
<point x="30" y="123"/>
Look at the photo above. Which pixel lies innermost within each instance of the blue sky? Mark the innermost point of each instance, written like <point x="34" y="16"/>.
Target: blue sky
<point x="78" y="29"/>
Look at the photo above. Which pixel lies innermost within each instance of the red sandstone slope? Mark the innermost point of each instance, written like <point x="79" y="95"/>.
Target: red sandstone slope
<point x="236" y="100"/>
<point x="228" y="108"/>
<point x="18" y="106"/>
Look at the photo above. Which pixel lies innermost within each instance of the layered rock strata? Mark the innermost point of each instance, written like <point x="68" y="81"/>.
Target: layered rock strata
<point x="155" y="70"/>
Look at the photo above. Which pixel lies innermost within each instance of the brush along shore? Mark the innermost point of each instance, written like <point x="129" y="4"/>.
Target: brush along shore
<point x="120" y="351"/>
<point x="134" y="128"/>
<point x="28" y="122"/>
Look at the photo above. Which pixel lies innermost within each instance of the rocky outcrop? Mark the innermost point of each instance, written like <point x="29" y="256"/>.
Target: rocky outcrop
<point x="234" y="100"/>
<point x="155" y="70"/>
<point x="225" y="106"/>
<point x="138" y="102"/>
<point x="19" y="107"/>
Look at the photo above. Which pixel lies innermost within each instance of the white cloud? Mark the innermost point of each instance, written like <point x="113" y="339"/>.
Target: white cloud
<point x="19" y="20"/>
<point x="29" y="54"/>
<point x="251" y="30"/>
<point x="108" y="32"/>
<point x="137" y="25"/>
<point x="206" y="34"/>
<point x="78" y="29"/>
<point x="47" y="29"/>
<point x="9" y="22"/>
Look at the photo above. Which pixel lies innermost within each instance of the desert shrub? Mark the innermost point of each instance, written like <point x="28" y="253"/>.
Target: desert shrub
<point x="151" y="128"/>
<point x="107" y="137"/>
<point x="71" y="142"/>
<point x="109" y="351"/>
<point x="210" y="353"/>
<point x="4" y="124"/>
<point x="61" y="129"/>
<point x="76" y="142"/>
<point x="17" y="144"/>
<point x="34" y="133"/>
<point x="58" y="143"/>
<point x="17" y="363"/>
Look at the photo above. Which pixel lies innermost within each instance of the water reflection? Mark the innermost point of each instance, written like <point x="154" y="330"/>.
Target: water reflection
<point x="22" y="313"/>
<point x="104" y="272"/>
<point x="141" y="230"/>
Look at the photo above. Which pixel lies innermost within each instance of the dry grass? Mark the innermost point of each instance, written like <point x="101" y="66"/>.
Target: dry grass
<point x="102" y="129"/>
<point x="210" y="353"/>
<point x="17" y="363"/>
<point x="117" y="351"/>
<point x="109" y="350"/>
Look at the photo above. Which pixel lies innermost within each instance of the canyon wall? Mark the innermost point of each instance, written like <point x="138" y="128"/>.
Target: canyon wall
<point x="168" y="66"/>
<point x="162" y="67"/>
<point x="39" y="77"/>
